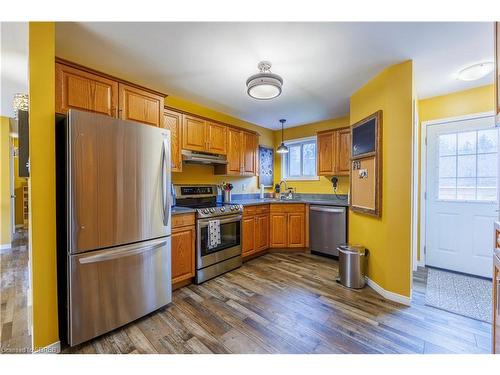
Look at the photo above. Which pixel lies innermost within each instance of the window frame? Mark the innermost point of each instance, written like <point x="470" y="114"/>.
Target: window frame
<point x="285" y="164"/>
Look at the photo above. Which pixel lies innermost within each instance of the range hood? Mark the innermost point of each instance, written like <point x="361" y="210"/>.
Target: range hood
<point x="202" y="158"/>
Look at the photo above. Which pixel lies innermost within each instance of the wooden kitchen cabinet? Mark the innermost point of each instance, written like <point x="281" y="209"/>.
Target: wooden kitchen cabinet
<point x="86" y="91"/>
<point x="139" y="105"/>
<point x="241" y="154"/>
<point x="288" y="226"/>
<point x="278" y="225"/>
<point x="334" y="152"/>
<point x="296" y="229"/>
<point x="217" y="138"/>
<point x="78" y="87"/>
<point x="343" y="152"/>
<point x="262" y="232"/>
<point x="326" y="159"/>
<point x="183" y="247"/>
<point x="248" y="238"/>
<point x="173" y="122"/>
<point x="194" y="134"/>
<point x="249" y="148"/>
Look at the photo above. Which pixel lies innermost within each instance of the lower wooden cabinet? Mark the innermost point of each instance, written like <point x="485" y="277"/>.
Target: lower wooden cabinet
<point x="288" y="225"/>
<point x="261" y="232"/>
<point x="248" y="236"/>
<point x="255" y="224"/>
<point x="183" y="247"/>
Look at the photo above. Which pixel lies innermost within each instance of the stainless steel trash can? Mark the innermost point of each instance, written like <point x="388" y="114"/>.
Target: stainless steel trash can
<point x="352" y="265"/>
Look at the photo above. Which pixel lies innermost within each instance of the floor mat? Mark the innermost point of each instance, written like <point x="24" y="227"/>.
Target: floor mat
<point x="461" y="294"/>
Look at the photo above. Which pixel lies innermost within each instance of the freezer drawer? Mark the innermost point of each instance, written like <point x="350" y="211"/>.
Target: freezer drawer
<point x="327" y="229"/>
<point x="110" y="288"/>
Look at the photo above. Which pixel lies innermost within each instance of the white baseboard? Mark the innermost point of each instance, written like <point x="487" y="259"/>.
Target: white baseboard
<point x="5" y="246"/>
<point x="387" y="294"/>
<point x="53" y="348"/>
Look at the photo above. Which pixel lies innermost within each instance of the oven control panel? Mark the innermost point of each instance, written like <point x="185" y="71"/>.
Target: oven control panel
<point x="219" y="211"/>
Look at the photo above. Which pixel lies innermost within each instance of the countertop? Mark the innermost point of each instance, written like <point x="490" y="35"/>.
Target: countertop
<point x="325" y="202"/>
<point x="182" y="210"/>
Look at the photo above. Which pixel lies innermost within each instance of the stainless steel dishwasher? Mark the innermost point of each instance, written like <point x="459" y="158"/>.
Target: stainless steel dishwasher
<point x="327" y="229"/>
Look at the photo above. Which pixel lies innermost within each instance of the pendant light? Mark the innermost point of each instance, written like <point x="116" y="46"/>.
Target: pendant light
<point x="264" y="85"/>
<point x="282" y="149"/>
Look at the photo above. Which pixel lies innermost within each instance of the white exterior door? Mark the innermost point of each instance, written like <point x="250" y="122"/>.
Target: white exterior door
<point x="461" y="194"/>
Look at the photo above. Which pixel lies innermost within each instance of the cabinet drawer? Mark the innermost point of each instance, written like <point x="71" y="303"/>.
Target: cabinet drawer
<point x="288" y="207"/>
<point x="249" y="210"/>
<point x="263" y="209"/>
<point x="182" y="220"/>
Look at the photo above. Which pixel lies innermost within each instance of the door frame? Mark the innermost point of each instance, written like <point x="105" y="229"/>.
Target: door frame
<point x="423" y="170"/>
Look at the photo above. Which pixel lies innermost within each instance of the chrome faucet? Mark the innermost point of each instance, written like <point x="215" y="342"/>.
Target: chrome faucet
<point x="288" y="193"/>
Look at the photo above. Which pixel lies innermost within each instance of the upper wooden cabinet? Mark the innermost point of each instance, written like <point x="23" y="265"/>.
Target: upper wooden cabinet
<point x="194" y="134"/>
<point x="334" y="152"/>
<point x="86" y="91"/>
<point x="173" y="122"/>
<point x="82" y="88"/>
<point x="326" y="159"/>
<point x="203" y="136"/>
<point x="217" y="138"/>
<point x="140" y="105"/>
<point x="343" y="151"/>
<point x="241" y="154"/>
<point x="249" y="142"/>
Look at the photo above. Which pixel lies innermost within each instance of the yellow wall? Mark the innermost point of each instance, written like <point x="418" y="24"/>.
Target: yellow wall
<point x="389" y="238"/>
<point x="476" y="100"/>
<point x="5" y="224"/>
<point x="204" y="174"/>
<point x="42" y="183"/>
<point x="323" y="185"/>
<point x="466" y="102"/>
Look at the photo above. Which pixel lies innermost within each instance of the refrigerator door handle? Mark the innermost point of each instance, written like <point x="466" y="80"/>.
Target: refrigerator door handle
<point x="165" y="180"/>
<point x="120" y="253"/>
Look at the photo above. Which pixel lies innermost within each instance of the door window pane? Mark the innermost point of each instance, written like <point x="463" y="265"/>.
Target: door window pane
<point x="467" y="143"/>
<point x="487" y="141"/>
<point x="468" y="165"/>
<point x="447" y="166"/>
<point x="487" y="189"/>
<point x="447" y="188"/>
<point x="447" y="144"/>
<point x="466" y="188"/>
<point x="487" y="165"/>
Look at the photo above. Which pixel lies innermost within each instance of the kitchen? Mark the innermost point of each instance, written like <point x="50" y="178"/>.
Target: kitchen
<point x="184" y="229"/>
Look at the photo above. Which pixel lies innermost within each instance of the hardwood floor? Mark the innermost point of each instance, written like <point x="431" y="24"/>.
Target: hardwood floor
<point x="14" y="333"/>
<point x="291" y="303"/>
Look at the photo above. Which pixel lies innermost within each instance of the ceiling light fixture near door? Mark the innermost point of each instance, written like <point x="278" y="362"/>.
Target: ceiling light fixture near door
<point x="282" y="149"/>
<point x="264" y="85"/>
<point x="476" y="71"/>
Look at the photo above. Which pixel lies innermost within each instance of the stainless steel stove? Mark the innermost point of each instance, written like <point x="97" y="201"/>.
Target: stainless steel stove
<point x="215" y="260"/>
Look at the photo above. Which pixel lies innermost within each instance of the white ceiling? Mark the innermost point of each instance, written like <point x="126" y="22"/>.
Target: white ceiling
<point x="13" y="64"/>
<point x="322" y="64"/>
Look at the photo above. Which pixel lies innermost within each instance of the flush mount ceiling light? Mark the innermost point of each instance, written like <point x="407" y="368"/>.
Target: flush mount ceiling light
<point x="264" y="85"/>
<point x="476" y="71"/>
<point x="282" y="149"/>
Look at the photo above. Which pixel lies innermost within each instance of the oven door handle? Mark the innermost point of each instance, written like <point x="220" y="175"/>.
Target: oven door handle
<point x="204" y="222"/>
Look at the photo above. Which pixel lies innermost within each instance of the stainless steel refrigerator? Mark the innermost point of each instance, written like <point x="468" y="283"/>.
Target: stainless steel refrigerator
<point x="114" y="225"/>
